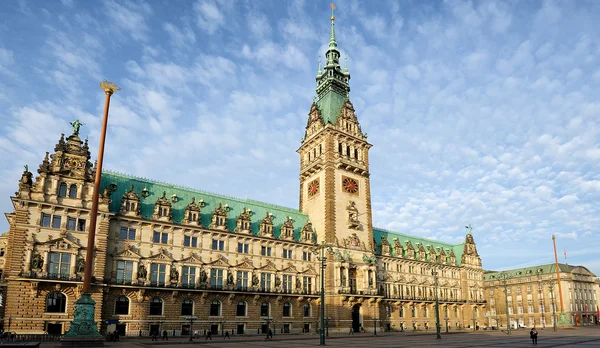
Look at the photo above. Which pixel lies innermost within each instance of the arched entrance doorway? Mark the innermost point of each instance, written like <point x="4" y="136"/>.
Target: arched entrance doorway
<point x="356" y="318"/>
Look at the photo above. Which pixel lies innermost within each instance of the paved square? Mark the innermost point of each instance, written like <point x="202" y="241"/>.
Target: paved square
<point x="579" y="337"/>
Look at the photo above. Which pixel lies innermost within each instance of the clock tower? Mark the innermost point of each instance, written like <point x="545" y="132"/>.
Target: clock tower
<point x="334" y="160"/>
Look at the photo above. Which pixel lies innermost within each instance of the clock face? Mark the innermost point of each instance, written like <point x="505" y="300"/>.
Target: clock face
<point x="350" y="185"/>
<point x="313" y="187"/>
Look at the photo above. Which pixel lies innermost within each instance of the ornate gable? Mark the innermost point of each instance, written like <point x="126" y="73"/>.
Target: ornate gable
<point x="410" y="250"/>
<point x="245" y="264"/>
<point x="219" y="217"/>
<point x="307" y="233"/>
<point x="191" y="215"/>
<point x="162" y="255"/>
<point x="59" y="244"/>
<point x="244" y="222"/>
<point x="315" y="122"/>
<point x="192" y="258"/>
<point x="290" y="268"/>
<point x="266" y="225"/>
<point x="397" y="248"/>
<point x="309" y="270"/>
<point x="287" y="229"/>
<point x="268" y="266"/>
<point x="128" y="252"/>
<point x="385" y="246"/>
<point x="162" y="209"/>
<point x="347" y="120"/>
<point x="219" y="261"/>
<point x="130" y="203"/>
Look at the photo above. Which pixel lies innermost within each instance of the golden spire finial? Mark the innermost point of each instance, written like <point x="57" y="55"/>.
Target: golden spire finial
<point x="332" y="8"/>
<point x="109" y="87"/>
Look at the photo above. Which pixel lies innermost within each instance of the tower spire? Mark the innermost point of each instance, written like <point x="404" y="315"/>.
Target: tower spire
<point x="332" y="43"/>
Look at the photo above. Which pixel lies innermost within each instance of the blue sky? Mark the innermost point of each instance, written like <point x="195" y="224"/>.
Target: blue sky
<point x="479" y="112"/>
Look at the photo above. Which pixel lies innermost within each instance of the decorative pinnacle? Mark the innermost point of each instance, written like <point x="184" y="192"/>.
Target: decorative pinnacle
<point x="332" y="43"/>
<point x="345" y="63"/>
<point x="109" y="87"/>
<point x="319" y="71"/>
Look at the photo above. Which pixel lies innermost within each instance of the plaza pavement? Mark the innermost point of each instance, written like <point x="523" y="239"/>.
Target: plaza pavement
<point x="585" y="337"/>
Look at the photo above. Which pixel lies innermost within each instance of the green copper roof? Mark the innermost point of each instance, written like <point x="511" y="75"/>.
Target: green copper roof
<point x="330" y="106"/>
<point x="378" y="233"/>
<point x="530" y="271"/>
<point x="184" y="194"/>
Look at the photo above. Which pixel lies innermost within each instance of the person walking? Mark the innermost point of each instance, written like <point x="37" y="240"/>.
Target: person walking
<point x="533" y="334"/>
<point x="226" y="335"/>
<point x="208" y="335"/>
<point x="351" y="332"/>
<point x="165" y="335"/>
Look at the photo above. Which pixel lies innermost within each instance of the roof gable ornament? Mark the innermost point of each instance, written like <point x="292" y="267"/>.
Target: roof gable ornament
<point x="307" y="233"/>
<point x="287" y="229"/>
<point x="219" y="217"/>
<point x="244" y="223"/>
<point x="162" y="209"/>
<point x="266" y="225"/>
<point x="397" y="248"/>
<point x="191" y="215"/>
<point x="130" y="203"/>
<point x="385" y="246"/>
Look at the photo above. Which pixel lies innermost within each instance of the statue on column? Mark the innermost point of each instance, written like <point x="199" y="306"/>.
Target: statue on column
<point x="37" y="262"/>
<point x="142" y="273"/>
<point x="76" y="125"/>
<point x="80" y="267"/>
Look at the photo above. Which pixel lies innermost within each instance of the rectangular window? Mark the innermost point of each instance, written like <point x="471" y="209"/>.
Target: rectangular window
<point x="127" y="233"/>
<point x="46" y="219"/>
<point x="157" y="274"/>
<point x="2" y="251"/>
<point x="124" y="272"/>
<point x="156" y="237"/>
<point x="188" y="276"/>
<point x="216" y="278"/>
<point x="71" y="224"/>
<point x="164" y="238"/>
<point x="187" y="241"/>
<point x="265" y="251"/>
<point x="306" y="255"/>
<point x="265" y="281"/>
<point x="59" y="265"/>
<point x="56" y="221"/>
<point x="81" y="225"/>
<point x="287" y="283"/>
<point x="242" y="279"/>
<point x="307" y="285"/>
<point x="218" y="244"/>
<point x="287" y="253"/>
<point x="243" y="248"/>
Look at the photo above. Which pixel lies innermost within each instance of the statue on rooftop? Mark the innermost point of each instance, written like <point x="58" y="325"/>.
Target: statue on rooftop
<point x="76" y="125"/>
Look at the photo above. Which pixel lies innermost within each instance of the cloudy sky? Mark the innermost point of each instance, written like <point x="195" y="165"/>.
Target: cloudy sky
<point x="479" y="112"/>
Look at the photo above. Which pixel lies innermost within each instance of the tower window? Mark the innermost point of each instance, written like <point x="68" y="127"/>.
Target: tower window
<point x="348" y="151"/>
<point x="320" y="149"/>
<point x="73" y="191"/>
<point x="340" y="148"/>
<point x="62" y="190"/>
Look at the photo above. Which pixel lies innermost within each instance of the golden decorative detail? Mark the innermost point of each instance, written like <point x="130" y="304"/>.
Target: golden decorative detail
<point x="109" y="87"/>
<point x="332" y="8"/>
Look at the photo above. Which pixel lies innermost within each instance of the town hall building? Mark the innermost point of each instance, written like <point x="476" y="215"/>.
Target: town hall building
<point x="166" y="253"/>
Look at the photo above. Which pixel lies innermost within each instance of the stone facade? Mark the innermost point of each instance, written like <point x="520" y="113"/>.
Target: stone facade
<point x="167" y="255"/>
<point x="534" y="299"/>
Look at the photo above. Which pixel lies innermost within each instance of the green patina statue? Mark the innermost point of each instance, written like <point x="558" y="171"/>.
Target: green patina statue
<point x="76" y="125"/>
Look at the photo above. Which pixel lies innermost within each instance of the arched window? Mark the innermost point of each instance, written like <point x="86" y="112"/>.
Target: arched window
<point x="56" y="302"/>
<point x="241" y="309"/>
<point x="73" y="191"/>
<point x="156" y="306"/>
<point x="62" y="190"/>
<point x="264" y="309"/>
<point x="215" y="308"/>
<point x="187" y="307"/>
<point x="307" y="310"/>
<point x="287" y="309"/>
<point x="122" y="305"/>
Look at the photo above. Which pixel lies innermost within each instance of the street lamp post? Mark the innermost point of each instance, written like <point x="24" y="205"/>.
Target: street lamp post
<point x="446" y="319"/>
<point x="83" y="327"/>
<point x="434" y="273"/>
<point x="374" y="326"/>
<point x="320" y="249"/>
<point x="551" y="289"/>
<point x="191" y="318"/>
<point x="504" y="277"/>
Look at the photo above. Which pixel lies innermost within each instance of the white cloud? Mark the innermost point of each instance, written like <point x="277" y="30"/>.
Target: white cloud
<point x="209" y="17"/>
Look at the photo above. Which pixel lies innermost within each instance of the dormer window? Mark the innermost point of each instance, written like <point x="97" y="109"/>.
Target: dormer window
<point x="162" y="208"/>
<point x="243" y="222"/>
<point x="307" y="233"/>
<point x="192" y="212"/>
<point x="130" y="205"/>
<point x="219" y="217"/>
<point x="266" y="225"/>
<point x="287" y="229"/>
<point x="62" y="190"/>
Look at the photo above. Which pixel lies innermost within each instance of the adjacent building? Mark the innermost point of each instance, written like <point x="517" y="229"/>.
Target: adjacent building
<point x="535" y="299"/>
<point x="165" y="253"/>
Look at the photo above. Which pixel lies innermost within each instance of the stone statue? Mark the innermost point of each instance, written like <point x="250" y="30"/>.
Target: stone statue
<point x="343" y="279"/>
<point x="37" y="262"/>
<point x="80" y="267"/>
<point x="298" y="283"/>
<point x="230" y="280"/>
<point x="25" y="169"/>
<point x="142" y="273"/>
<point x="277" y="281"/>
<point x="203" y="277"/>
<point x="255" y="280"/>
<point x="174" y="274"/>
<point x="76" y="125"/>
